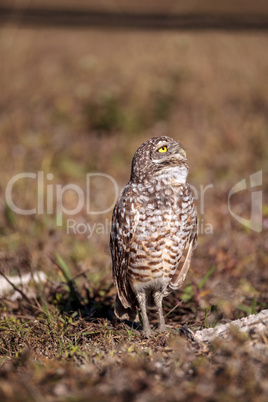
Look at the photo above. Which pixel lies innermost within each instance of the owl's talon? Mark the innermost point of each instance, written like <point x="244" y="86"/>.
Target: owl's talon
<point x="147" y="334"/>
<point x="161" y="328"/>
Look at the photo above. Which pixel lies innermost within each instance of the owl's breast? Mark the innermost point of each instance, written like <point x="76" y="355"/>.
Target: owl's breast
<point x="160" y="238"/>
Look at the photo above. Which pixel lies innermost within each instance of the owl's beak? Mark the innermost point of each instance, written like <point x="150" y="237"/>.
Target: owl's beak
<point x="180" y="154"/>
<point x="183" y="153"/>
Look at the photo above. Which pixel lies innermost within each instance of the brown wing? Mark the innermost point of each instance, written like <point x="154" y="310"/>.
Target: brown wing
<point x="124" y="221"/>
<point x="184" y="264"/>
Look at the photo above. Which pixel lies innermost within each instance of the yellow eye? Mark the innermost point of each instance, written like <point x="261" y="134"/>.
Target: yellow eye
<point x="162" y="149"/>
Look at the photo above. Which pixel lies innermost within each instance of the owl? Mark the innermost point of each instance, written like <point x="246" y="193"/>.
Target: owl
<point x="154" y="230"/>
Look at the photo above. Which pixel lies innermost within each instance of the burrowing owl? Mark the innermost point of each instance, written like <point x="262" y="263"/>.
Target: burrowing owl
<point x="154" y="230"/>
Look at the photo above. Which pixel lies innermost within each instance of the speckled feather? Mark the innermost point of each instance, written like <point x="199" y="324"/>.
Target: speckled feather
<point x="154" y="227"/>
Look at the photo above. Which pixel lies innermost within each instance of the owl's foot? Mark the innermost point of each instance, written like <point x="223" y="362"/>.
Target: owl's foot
<point x="162" y="328"/>
<point x="147" y="333"/>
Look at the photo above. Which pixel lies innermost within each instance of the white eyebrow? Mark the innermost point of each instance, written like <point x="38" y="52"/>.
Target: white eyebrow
<point x="161" y="144"/>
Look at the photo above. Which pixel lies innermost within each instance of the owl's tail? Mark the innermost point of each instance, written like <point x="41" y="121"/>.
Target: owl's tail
<point x="124" y="313"/>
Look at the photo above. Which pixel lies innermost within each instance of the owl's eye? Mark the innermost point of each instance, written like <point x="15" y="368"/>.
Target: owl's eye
<point x="162" y="149"/>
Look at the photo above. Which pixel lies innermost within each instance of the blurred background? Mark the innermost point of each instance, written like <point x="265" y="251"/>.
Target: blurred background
<point x="83" y="84"/>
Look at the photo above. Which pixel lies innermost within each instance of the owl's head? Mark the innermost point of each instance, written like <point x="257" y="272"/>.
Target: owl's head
<point x="159" y="157"/>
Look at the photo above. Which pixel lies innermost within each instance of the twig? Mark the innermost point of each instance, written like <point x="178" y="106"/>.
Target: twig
<point x="174" y="308"/>
<point x="16" y="288"/>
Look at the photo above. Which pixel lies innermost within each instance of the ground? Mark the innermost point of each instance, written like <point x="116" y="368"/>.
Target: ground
<point x="75" y="102"/>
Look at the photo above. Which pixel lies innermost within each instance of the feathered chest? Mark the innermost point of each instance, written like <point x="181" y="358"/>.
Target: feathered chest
<point x="158" y="219"/>
<point x="161" y="206"/>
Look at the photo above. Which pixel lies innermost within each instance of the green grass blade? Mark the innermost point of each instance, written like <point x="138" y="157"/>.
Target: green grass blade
<point x="206" y="277"/>
<point x="64" y="268"/>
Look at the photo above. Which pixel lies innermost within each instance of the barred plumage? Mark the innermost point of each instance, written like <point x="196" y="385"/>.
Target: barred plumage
<point x="154" y="230"/>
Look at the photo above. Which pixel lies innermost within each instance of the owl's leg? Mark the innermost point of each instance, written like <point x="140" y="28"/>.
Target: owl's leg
<point x="141" y="297"/>
<point x="158" y="298"/>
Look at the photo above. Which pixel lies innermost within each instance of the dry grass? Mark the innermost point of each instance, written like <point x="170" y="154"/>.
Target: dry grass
<point x="74" y="102"/>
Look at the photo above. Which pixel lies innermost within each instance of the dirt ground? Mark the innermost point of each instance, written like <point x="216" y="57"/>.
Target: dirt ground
<point x="77" y="102"/>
